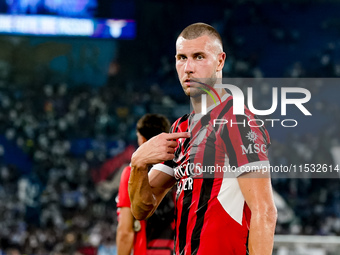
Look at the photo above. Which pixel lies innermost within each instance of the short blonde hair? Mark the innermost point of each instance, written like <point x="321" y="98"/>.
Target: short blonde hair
<point x="196" y="30"/>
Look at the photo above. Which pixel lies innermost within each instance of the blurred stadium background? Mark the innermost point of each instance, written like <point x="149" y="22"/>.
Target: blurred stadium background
<point x="75" y="78"/>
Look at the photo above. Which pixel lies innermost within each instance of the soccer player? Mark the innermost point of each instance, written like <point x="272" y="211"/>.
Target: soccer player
<point x="215" y="214"/>
<point x="131" y="233"/>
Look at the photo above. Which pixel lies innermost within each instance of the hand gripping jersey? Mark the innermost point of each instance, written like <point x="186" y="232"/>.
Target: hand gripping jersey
<point x="211" y="214"/>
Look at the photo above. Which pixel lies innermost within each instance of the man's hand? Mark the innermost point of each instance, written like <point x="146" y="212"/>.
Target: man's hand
<point x="144" y="197"/>
<point x="156" y="150"/>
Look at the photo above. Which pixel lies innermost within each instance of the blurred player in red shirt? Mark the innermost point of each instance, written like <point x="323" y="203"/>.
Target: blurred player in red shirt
<point x="132" y="233"/>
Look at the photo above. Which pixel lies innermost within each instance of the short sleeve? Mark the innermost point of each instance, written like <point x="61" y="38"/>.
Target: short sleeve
<point x="246" y="142"/>
<point x="123" y="194"/>
<point x="164" y="168"/>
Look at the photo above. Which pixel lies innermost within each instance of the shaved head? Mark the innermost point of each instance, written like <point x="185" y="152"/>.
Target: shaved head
<point x="196" y="30"/>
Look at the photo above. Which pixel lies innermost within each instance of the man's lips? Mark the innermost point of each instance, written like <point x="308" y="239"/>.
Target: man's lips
<point x="189" y="82"/>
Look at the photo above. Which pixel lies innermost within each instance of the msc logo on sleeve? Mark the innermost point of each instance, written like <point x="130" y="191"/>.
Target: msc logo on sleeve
<point x="253" y="147"/>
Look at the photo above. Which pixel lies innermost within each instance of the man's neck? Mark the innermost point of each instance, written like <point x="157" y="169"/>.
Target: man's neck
<point x="197" y="101"/>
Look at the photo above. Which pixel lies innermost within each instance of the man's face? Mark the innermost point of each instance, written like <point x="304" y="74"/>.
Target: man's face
<point x="198" y="61"/>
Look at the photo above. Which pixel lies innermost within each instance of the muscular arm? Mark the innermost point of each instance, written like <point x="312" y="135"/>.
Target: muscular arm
<point x="125" y="232"/>
<point x="257" y="191"/>
<point x="147" y="191"/>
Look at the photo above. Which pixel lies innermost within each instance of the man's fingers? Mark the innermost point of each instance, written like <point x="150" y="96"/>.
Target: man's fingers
<point x="169" y="156"/>
<point x="171" y="150"/>
<point x="172" y="144"/>
<point x="173" y="136"/>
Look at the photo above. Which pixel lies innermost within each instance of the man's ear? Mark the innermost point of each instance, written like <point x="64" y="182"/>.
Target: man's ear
<point x="221" y="59"/>
<point x="143" y="139"/>
<point x="140" y="139"/>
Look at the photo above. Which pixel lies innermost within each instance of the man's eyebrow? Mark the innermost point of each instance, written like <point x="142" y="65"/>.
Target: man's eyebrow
<point x="180" y="55"/>
<point x="194" y="54"/>
<point x="199" y="53"/>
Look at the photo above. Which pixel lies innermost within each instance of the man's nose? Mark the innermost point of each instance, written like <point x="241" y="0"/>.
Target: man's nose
<point x="189" y="66"/>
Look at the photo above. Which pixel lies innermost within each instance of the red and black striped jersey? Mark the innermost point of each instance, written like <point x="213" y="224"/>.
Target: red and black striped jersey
<point x="212" y="216"/>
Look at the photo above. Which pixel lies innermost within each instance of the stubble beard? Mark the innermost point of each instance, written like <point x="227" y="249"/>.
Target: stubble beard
<point x="204" y="83"/>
